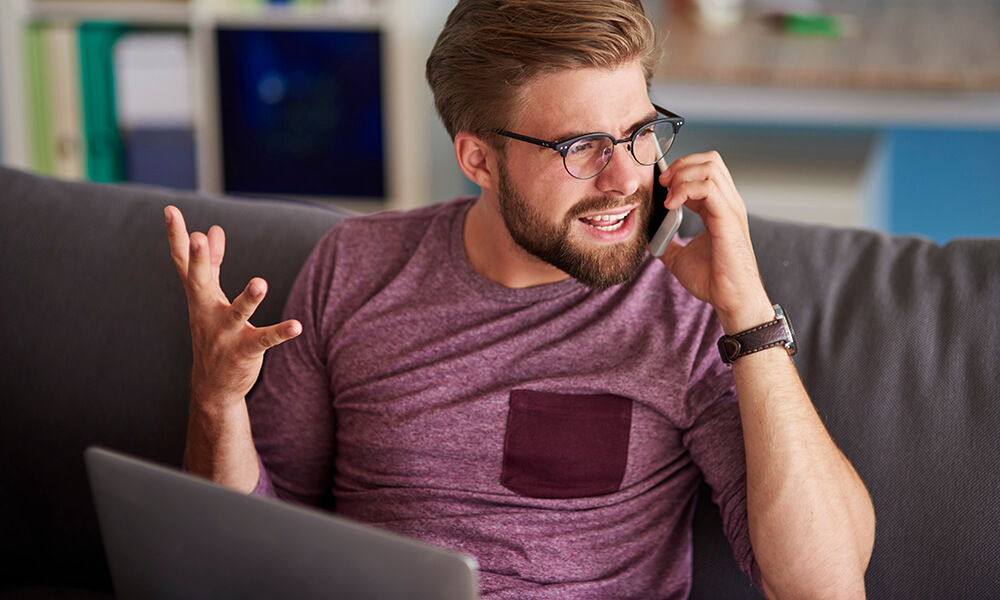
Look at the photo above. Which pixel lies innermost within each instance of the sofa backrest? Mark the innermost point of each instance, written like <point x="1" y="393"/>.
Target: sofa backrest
<point x="95" y="349"/>
<point x="899" y="348"/>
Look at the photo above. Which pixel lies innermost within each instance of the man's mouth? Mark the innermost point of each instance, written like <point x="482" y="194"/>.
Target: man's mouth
<point x="609" y="222"/>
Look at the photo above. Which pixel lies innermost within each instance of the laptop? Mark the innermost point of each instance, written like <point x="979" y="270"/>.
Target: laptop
<point x="170" y="535"/>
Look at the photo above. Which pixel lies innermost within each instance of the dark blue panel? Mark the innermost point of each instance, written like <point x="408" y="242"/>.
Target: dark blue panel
<point x="161" y="156"/>
<point x="302" y="112"/>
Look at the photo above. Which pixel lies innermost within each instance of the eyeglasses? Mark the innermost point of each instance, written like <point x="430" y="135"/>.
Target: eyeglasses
<point x="585" y="156"/>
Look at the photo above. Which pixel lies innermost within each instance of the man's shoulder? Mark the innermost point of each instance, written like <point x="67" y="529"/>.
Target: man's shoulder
<point x="387" y="236"/>
<point x="370" y="250"/>
<point x="401" y="223"/>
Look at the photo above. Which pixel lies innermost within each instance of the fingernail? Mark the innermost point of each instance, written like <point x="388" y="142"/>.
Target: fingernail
<point x="169" y="216"/>
<point x="255" y="291"/>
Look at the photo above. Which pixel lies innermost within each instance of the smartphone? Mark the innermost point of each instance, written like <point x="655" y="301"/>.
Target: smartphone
<point x="663" y="225"/>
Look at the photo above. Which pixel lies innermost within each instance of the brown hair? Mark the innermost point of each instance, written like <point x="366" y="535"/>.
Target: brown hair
<point x="490" y="49"/>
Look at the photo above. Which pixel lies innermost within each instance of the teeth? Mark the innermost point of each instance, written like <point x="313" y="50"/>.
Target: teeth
<point x="609" y="227"/>
<point x="608" y="217"/>
<point x="613" y="221"/>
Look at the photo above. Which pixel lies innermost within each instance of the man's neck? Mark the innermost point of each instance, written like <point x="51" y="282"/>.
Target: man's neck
<point x="496" y="256"/>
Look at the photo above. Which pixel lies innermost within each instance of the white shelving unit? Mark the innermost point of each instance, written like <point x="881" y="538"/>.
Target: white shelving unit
<point x="405" y="101"/>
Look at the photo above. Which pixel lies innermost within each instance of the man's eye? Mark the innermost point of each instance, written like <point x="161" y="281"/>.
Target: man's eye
<point x="587" y="145"/>
<point x="647" y="132"/>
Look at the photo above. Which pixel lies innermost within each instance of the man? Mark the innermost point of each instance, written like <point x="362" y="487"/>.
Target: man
<point x="514" y="375"/>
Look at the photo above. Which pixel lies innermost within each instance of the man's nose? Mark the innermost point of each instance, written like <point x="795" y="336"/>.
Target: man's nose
<point x="623" y="175"/>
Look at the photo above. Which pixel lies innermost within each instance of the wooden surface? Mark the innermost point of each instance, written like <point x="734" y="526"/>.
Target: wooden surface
<point x="947" y="46"/>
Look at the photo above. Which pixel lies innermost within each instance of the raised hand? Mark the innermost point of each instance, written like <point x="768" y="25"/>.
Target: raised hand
<point x="228" y="351"/>
<point x="718" y="266"/>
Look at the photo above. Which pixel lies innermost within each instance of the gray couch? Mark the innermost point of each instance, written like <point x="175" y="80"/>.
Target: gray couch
<point x="899" y="346"/>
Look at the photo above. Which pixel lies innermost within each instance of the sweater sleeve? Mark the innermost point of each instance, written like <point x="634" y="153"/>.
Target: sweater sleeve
<point x="264" y="486"/>
<point x="291" y="408"/>
<point x="716" y="445"/>
<point x="715" y="441"/>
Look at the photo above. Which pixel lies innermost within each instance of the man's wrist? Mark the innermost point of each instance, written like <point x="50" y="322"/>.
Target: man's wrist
<point x="776" y="332"/>
<point x="215" y="404"/>
<point x="750" y="315"/>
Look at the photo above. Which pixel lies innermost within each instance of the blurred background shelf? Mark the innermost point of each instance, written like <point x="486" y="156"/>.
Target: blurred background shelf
<point x="943" y="45"/>
<point x="270" y="85"/>
<point x="147" y="13"/>
<point x="894" y="124"/>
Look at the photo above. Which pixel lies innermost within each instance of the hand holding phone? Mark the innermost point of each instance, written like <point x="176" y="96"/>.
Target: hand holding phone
<point x="663" y="224"/>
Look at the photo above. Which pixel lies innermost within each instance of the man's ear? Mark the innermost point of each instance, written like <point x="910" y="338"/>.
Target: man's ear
<point x="477" y="159"/>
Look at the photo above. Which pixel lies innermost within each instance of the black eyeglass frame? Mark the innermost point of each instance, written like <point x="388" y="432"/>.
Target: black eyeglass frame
<point x="562" y="147"/>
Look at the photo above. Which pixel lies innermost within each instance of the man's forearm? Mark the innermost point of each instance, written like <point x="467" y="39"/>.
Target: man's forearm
<point x="811" y="520"/>
<point x="227" y="353"/>
<point x="220" y="446"/>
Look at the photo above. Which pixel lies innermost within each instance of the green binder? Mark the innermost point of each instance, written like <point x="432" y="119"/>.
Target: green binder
<point x="104" y="149"/>
<point x="39" y="101"/>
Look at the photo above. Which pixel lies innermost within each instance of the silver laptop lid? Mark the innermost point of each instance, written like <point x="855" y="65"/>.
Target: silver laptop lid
<point x="173" y="536"/>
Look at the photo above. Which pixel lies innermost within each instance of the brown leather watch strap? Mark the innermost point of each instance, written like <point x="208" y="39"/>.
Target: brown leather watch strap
<point x="769" y="335"/>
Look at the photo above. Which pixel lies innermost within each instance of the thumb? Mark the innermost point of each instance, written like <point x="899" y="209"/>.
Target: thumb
<point x="269" y="337"/>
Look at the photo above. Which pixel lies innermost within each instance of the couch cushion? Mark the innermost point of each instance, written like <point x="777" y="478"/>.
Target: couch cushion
<point x="96" y="348"/>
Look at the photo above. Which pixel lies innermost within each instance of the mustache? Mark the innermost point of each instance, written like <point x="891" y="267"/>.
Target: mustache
<point x="641" y="197"/>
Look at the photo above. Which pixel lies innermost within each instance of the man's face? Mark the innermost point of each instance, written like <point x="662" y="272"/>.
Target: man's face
<point x="598" y="266"/>
<point x="593" y="230"/>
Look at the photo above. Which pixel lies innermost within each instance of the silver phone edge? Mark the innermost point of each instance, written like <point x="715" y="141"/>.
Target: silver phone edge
<point x="666" y="232"/>
<point x="668" y="228"/>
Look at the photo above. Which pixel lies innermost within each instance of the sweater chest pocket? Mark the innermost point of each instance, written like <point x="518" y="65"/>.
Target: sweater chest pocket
<point x="566" y="445"/>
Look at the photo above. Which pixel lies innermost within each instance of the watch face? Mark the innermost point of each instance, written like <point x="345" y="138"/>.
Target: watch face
<point x="789" y="332"/>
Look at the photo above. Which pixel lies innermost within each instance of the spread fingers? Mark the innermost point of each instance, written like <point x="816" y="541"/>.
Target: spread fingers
<point x="199" y="262"/>
<point x="269" y="337"/>
<point x="178" y="237"/>
<point x="216" y="249"/>
<point x="246" y="303"/>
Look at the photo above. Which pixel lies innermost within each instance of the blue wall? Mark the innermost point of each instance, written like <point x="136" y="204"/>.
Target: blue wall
<point x="943" y="183"/>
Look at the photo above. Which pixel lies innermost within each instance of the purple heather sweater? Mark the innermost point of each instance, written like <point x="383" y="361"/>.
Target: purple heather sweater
<point x="557" y="433"/>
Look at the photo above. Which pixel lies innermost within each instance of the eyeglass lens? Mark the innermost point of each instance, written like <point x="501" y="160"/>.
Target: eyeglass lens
<point x="588" y="156"/>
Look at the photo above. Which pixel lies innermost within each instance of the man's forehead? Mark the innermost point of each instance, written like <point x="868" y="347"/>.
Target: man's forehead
<point x="573" y="102"/>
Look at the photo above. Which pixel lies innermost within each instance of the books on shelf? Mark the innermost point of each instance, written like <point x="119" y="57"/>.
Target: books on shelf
<point x="105" y="154"/>
<point x="54" y="120"/>
<point x="110" y="103"/>
<point x="155" y="109"/>
<point x="115" y="101"/>
<point x="67" y="127"/>
<point x="39" y="99"/>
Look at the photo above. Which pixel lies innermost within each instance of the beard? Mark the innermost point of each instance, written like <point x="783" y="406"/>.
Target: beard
<point x="596" y="266"/>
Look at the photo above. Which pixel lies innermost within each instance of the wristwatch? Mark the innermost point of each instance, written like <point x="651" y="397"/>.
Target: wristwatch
<point x="769" y="335"/>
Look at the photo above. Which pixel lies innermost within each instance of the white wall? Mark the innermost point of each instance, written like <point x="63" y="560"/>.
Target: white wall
<point x="446" y="181"/>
